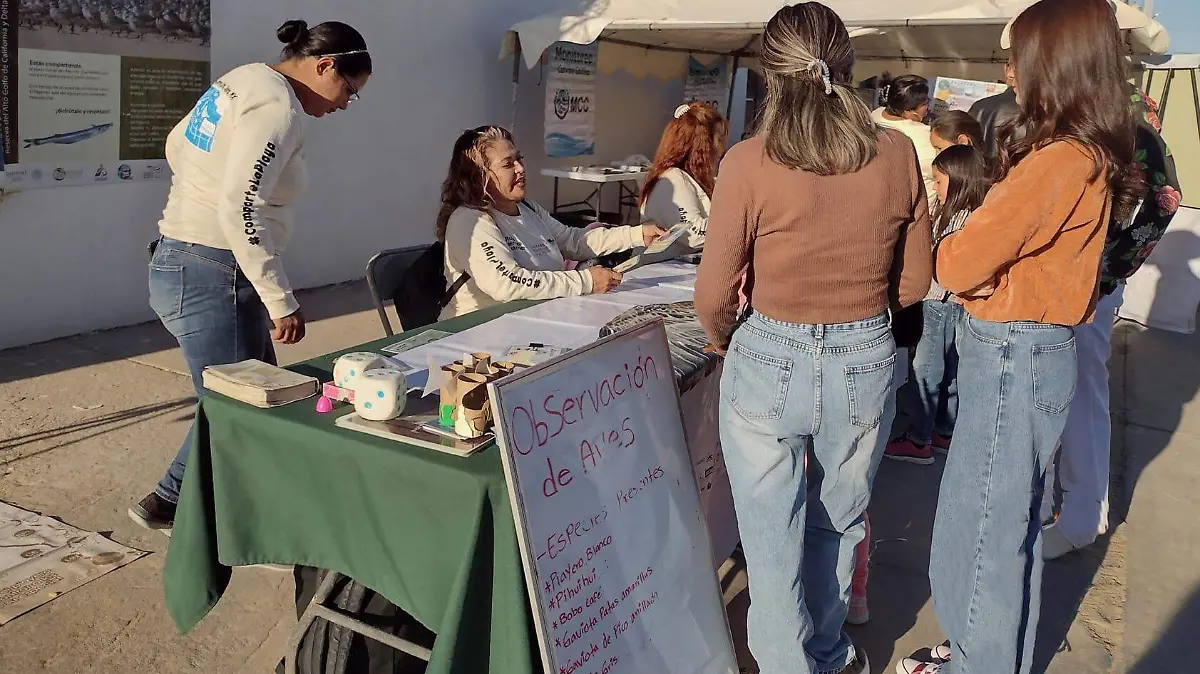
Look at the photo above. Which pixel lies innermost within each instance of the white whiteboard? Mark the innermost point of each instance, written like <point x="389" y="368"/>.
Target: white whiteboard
<point x="615" y="547"/>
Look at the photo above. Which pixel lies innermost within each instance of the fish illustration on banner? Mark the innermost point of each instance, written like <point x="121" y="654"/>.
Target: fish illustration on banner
<point x="571" y="100"/>
<point x="70" y="137"/>
<point x="707" y="84"/>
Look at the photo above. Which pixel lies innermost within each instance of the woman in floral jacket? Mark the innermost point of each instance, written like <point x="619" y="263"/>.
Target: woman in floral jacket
<point x="1083" y="462"/>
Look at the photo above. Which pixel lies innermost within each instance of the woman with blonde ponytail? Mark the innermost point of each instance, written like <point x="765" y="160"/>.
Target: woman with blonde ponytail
<point x="828" y="213"/>
<point x="507" y="248"/>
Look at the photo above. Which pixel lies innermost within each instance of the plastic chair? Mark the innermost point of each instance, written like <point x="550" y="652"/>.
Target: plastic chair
<point x="385" y="274"/>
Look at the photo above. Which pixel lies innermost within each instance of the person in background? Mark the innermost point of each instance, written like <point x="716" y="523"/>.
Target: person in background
<point x="1027" y="266"/>
<point x="507" y="247"/>
<point x="217" y="279"/>
<point x="905" y="106"/>
<point x="828" y="212"/>
<point x="930" y="397"/>
<point x="955" y="127"/>
<point x="680" y="183"/>
<point x="996" y="111"/>
<point x="1084" y="454"/>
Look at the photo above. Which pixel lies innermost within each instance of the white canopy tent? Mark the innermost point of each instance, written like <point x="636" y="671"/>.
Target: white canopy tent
<point x="904" y="30"/>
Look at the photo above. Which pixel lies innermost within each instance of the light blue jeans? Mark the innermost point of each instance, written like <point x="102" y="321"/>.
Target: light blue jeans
<point x="214" y="313"/>
<point x="930" y="397"/>
<point x="1015" y="383"/>
<point x="792" y="394"/>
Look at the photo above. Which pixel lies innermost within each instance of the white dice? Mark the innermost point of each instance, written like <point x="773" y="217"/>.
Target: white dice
<point x="347" y="368"/>
<point x="380" y="394"/>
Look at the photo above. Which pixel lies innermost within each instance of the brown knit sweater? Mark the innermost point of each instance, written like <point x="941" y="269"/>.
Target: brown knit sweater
<point x="818" y="249"/>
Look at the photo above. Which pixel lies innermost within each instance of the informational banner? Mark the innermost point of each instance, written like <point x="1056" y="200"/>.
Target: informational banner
<point x="952" y="93"/>
<point x="613" y="540"/>
<point x="90" y="90"/>
<point x="707" y="84"/>
<point x="571" y="100"/>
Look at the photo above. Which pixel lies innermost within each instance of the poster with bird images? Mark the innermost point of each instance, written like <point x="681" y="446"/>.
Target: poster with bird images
<point x="571" y="100"/>
<point x="89" y="89"/>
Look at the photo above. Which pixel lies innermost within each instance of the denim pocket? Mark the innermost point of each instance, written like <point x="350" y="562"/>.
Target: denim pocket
<point x="1053" y="377"/>
<point x="868" y="387"/>
<point x="166" y="290"/>
<point x="759" y="383"/>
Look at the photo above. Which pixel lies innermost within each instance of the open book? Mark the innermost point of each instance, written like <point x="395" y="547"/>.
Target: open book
<point x="260" y="384"/>
<point x="667" y="247"/>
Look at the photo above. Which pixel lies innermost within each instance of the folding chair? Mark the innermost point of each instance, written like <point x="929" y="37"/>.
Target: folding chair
<point x="345" y="595"/>
<point x="385" y="274"/>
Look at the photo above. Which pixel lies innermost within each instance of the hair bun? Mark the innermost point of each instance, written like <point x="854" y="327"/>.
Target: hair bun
<point x="292" y="32"/>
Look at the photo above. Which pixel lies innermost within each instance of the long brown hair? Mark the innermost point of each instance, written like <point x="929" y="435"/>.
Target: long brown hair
<point x="468" y="179"/>
<point x="690" y="144"/>
<point x="1071" y="85"/>
<point x="970" y="178"/>
<point x="813" y="118"/>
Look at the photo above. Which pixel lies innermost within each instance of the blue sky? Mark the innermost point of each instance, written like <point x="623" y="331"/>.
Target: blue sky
<point x="1182" y="19"/>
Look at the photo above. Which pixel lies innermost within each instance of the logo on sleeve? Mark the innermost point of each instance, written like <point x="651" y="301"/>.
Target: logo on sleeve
<point x="203" y="122"/>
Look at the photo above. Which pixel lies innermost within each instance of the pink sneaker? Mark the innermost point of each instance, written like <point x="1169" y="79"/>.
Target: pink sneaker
<point x="859" y="613"/>
<point x="907" y="450"/>
<point x="941" y="444"/>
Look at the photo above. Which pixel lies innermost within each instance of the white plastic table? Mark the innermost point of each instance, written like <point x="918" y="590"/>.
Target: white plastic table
<point x="599" y="176"/>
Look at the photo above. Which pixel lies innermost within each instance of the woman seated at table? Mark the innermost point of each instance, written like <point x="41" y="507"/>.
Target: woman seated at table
<point x="509" y="248"/>
<point x="681" y="179"/>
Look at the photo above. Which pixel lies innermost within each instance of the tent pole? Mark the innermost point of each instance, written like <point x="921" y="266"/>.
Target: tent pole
<point x="732" y="82"/>
<point x="516" y="80"/>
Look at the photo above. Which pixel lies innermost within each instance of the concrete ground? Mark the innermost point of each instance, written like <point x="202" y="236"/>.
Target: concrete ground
<point x="88" y="424"/>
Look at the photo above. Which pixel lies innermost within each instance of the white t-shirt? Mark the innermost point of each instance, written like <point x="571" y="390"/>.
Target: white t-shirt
<point x="238" y="164"/>
<point x="676" y="197"/>
<point x="918" y="133"/>
<point x="522" y="257"/>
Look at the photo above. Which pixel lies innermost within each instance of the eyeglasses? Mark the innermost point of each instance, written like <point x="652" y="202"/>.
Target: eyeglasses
<point x="353" y="92"/>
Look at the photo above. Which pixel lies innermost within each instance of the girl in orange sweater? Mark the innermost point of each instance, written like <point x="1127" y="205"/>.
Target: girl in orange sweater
<point x="1026" y="266"/>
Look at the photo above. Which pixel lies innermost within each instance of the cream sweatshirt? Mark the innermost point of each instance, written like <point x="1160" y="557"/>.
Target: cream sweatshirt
<point x="918" y="133"/>
<point x="522" y="257"/>
<point x="238" y="165"/>
<point x="676" y="197"/>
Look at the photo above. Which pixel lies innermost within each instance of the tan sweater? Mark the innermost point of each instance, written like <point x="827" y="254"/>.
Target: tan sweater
<point x="1036" y="242"/>
<point x="820" y="249"/>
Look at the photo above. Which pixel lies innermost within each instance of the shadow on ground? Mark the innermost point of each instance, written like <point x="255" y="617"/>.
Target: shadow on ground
<point x="69" y="353"/>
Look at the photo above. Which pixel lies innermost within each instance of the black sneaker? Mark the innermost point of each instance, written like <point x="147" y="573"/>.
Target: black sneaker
<point x="860" y="665"/>
<point x="154" y="513"/>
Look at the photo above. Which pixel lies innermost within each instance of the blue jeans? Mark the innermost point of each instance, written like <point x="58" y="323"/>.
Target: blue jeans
<point x="796" y="395"/>
<point x="930" y="397"/>
<point x="209" y="306"/>
<point x="1016" y="383"/>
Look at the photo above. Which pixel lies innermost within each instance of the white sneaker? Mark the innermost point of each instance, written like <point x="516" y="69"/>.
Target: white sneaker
<point x="910" y="666"/>
<point x="941" y="655"/>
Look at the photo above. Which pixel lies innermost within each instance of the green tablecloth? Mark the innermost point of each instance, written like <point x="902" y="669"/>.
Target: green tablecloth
<point x="431" y="532"/>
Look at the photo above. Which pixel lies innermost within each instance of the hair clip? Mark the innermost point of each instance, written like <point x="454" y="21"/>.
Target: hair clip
<point x="682" y="110"/>
<point x="821" y="69"/>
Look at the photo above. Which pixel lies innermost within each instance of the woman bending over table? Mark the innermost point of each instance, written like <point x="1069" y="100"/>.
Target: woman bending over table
<point x="681" y="179"/>
<point x="217" y="280"/>
<point x="1027" y="266"/>
<point x="504" y="247"/>
<point x="829" y="213"/>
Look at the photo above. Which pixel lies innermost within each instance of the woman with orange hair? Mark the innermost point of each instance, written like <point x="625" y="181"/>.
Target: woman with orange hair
<point x="681" y="180"/>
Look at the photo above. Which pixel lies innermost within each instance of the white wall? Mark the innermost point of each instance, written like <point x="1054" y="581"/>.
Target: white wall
<point x="73" y="259"/>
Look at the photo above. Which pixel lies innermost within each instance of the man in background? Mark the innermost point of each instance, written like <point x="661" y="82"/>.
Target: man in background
<point x="995" y="111"/>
